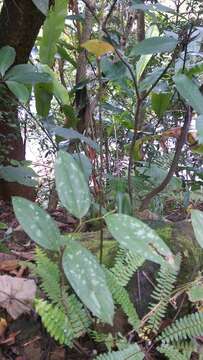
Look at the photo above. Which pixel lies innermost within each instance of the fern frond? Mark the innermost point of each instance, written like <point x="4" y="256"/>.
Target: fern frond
<point x="185" y="328"/>
<point x="63" y="327"/>
<point x="162" y="293"/>
<point x="49" y="275"/>
<point x="55" y="321"/>
<point x="172" y="353"/>
<point x="126" y="265"/>
<point x="121" y="297"/>
<point x="132" y="352"/>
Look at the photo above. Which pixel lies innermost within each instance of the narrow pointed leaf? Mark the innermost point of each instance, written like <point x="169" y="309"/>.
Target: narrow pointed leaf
<point x="190" y="92"/>
<point x="36" y="223"/>
<point x="136" y="236"/>
<point x="88" y="280"/>
<point x="7" y="58"/>
<point x="71" y="185"/>
<point x="42" y="5"/>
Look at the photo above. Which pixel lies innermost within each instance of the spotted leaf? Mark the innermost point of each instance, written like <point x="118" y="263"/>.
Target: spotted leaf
<point x="71" y="185"/>
<point x="88" y="280"/>
<point x="136" y="236"/>
<point x="37" y="223"/>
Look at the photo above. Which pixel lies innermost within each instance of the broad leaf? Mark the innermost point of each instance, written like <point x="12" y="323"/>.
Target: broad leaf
<point x="144" y="60"/>
<point x="197" y="223"/>
<point x="73" y="134"/>
<point x="154" y="45"/>
<point x="42" y="5"/>
<point x="160" y="103"/>
<point x="7" y="58"/>
<point x="199" y="126"/>
<point x="153" y="7"/>
<point x="27" y="74"/>
<point x="71" y="185"/>
<point x="19" y="90"/>
<point x="88" y="280"/>
<point x="52" y="29"/>
<point x="189" y="91"/>
<point x="98" y="47"/>
<point x="37" y="223"/>
<point x="20" y="174"/>
<point x="136" y="236"/>
<point x="196" y="293"/>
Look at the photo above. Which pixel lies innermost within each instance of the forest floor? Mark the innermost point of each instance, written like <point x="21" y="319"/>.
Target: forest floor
<point x="24" y="338"/>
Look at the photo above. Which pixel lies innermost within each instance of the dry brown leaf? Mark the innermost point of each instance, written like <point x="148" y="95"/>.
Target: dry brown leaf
<point x="3" y="326"/>
<point x="16" y="294"/>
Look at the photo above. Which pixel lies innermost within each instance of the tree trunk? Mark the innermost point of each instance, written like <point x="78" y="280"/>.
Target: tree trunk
<point x="20" y="22"/>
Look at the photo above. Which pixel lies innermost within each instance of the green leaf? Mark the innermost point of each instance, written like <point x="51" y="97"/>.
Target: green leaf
<point x="197" y="223"/>
<point x="65" y="56"/>
<point x="19" y="90"/>
<point x="59" y="91"/>
<point x="52" y="29"/>
<point x="27" y="74"/>
<point x="36" y="223"/>
<point x="42" y="5"/>
<point x="20" y="174"/>
<point x="189" y="91"/>
<point x="3" y="226"/>
<point x="132" y="352"/>
<point x="43" y="97"/>
<point x="136" y="236"/>
<point x="160" y="103"/>
<point x="144" y="60"/>
<point x="71" y="185"/>
<point x="196" y="293"/>
<point x="7" y="58"/>
<point x="199" y="127"/>
<point x="154" y="45"/>
<point x="153" y="7"/>
<point x="73" y="134"/>
<point x="88" y="280"/>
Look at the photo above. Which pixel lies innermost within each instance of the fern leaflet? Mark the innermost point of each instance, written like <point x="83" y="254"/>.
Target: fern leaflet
<point x="182" y="329"/>
<point x="162" y="293"/>
<point x="126" y="265"/>
<point x="121" y="297"/>
<point x="132" y="352"/>
<point x="172" y="353"/>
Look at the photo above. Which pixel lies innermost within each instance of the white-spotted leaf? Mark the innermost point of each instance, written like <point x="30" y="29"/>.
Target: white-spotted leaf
<point x="88" y="280"/>
<point x="7" y="57"/>
<point x="71" y="185"/>
<point x="197" y="223"/>
<point x="37" y="223"/>
<point x="136" y="236"/>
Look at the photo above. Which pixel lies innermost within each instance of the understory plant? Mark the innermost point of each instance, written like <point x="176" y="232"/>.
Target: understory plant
<point x="79" y="290"/>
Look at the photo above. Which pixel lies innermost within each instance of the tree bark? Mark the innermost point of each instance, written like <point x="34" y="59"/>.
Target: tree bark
<point x="20" y="22"/>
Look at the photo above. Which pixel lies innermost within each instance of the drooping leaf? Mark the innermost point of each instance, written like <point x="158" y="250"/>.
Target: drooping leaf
<point x="153" y="7"/>
<point x="71" y="185"/>
<point x="197" y="223"/>
<point x="88" y="280"/>
<point x="52" y="30"/>
<point x="190" y="92"/>
<point x="98" y="47"/>
<point x="37" y="223"/>
<point x="43" y="97"/>
<point x="7" y="58"/>
<point x="73" y="134"/>
<point x="160" y="103"/>
<point x="154" y="45"/>
<point x="66" y="56"/>
<point x="59" y="91"/>
<point x="136" y="236"/>
<point x="144" y="59"/>
<point x="27" y="74"/>
<point x="19" y="90"/>
<point x="42" y="5"/>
